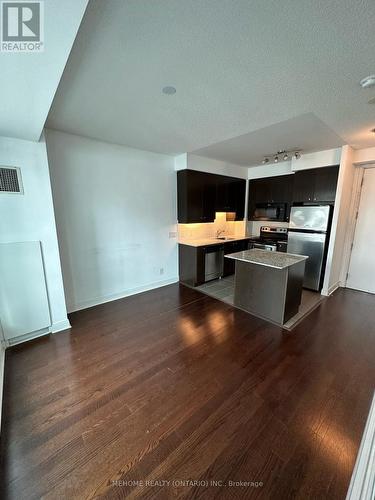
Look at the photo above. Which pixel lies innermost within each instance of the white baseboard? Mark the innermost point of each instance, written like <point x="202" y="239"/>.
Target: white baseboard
<point x="2" y="362"/>
<point x="28" y="336"/>
<point x="331" y="289"/>
<point x="362" y="484"/>
<point x="127" y="293"/>
<point x="59" y="326"/>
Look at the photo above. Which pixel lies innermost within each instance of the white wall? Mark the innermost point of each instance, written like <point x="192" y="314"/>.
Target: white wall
<point x="318" y="159"/>
<point x="340" y="222"/>
<point x="270" y="170"/>
<point x="116" y="218"/>
<point x="29" y="81"/>
<point x="195" y="162"/>
<point x="30" y="216"/>
<point x="364" y="156"/>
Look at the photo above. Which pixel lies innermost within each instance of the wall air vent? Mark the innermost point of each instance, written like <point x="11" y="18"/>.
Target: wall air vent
<point x="10" y="180"/>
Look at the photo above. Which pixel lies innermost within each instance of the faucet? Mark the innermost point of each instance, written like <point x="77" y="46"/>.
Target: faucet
<point x="219" y="232"/>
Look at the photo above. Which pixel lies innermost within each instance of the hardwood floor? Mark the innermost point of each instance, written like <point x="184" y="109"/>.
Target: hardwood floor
<point x="173" y="385"/>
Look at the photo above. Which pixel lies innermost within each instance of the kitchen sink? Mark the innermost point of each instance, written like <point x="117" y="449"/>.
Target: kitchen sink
<point x="224" y="238"/>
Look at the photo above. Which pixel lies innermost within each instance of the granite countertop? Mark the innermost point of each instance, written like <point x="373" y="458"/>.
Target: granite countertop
<point x="202" y="242"/>
<point x="277" y="260"/>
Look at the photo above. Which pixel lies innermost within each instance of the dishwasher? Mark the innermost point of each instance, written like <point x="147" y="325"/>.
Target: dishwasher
<point x="213" y="262"/>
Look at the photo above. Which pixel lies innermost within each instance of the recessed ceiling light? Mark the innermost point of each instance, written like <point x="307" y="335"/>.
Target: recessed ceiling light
<point x="297" y="155"/>
<point x="367" y="82"/>
<point x="285" y="157"/>
<point x="276" y="159"/>
<point x="266" y="160"/>
<point x="169" y="90"/>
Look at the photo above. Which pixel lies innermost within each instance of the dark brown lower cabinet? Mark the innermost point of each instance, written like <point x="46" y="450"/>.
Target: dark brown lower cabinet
<point x="191" y="264"/>
<point x="232" y="247"/>
<point x="192" y="261"/>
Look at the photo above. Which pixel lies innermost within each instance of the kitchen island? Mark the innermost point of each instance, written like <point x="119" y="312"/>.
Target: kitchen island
<point x="268" y="284"/>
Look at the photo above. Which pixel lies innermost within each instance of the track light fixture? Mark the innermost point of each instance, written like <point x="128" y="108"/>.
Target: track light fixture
<point x="281" y="155"/>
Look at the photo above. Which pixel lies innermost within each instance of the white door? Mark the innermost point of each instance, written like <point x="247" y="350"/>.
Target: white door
<point x="362" y="262"/>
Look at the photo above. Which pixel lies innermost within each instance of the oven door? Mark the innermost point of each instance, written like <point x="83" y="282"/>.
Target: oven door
<point x="265" y="246"/>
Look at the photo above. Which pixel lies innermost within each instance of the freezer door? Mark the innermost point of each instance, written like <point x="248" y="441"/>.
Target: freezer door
<point x="311" y="218"/>
<point x="312" y="245"/>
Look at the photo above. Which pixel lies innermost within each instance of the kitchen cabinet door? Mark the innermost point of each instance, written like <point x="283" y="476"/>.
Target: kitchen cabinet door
<point x="209" y="196"/>
<point x="281" y="188"/>
<point x="195" y="196"/>
<point x="222" y="203"/>
<point x="236" y="197"/>
<point x="263" y="191"/>
<point x="304" y="186"/>
<point x="232" y="247"/>
<point x="326" y="183"/>
<point x="230" y="195"/>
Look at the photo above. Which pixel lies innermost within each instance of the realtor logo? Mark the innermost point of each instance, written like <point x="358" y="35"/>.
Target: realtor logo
<point x="22" y="26"/>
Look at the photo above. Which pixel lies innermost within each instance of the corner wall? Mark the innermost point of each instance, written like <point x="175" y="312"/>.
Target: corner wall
<point x="116" y="218"/>
<point x="30" y="217"/>
<point x="212" y="166"/>
<point x="340" y="222"/>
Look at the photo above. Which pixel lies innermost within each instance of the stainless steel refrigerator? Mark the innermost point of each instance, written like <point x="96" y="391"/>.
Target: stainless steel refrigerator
<point x="308" y="235"/>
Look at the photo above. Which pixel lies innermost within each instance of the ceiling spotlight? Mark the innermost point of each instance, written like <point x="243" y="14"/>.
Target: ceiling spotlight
<point x="285" y="157"/>
<point x="367" y="82"/>
<point x="297" y="155"/>
<point x="169" y="90"/>
<point x="266" y="160"/>
<point x="276" y="159"/>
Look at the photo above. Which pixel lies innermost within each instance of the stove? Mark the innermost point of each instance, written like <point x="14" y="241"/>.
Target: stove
<point x="271" y="238"/>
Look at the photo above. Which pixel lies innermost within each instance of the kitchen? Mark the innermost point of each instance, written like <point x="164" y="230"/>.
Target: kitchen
<point x="286" y="214"/>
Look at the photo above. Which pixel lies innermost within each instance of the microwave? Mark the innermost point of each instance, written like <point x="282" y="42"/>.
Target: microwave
<point x="270" y="211"/>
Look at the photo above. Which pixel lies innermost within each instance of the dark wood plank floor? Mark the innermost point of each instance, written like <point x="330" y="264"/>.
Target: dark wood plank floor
<point x="173" y="385"/>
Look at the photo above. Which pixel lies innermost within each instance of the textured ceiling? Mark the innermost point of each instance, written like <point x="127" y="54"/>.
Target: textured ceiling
<point x="29" y="80"/>
<point x="239" y="66"/>
<point x="304" y="133"/>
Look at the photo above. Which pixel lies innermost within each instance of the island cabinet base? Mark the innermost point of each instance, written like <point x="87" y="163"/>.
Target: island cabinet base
<point x="269" y="293"/>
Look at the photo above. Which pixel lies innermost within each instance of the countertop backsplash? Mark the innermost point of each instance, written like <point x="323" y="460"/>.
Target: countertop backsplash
<point x="209" y="229"/>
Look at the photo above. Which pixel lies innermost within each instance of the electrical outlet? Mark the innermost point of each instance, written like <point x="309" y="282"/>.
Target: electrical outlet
<point x="172" y="234"/>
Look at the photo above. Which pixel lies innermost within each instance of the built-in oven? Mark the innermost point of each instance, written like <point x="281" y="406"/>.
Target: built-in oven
<point x="264" y="246"/>
<point x="270" y="211"/>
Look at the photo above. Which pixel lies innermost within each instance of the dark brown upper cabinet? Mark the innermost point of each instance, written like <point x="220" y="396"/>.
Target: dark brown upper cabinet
<point x="316" y="185"/>
<point x="276" y="189"/>
<point x="326" y="183"/>
<point x="196" y="194"/>
<point x="230" y="195"/>
<point x="200" y="195"/>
